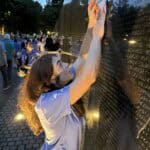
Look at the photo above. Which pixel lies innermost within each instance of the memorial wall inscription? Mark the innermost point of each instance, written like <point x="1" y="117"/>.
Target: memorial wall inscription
<point x="123" y="91"/>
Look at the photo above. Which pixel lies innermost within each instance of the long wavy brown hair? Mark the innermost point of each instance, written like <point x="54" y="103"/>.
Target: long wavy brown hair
<point x="38" y="81"/>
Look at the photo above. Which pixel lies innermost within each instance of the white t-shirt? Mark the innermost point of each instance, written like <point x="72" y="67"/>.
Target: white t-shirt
<point x="63" y="129"/>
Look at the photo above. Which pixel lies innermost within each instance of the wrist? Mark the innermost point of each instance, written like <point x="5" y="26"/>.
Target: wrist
<point x="89" y="32"/>
<point x="90" y="25"/>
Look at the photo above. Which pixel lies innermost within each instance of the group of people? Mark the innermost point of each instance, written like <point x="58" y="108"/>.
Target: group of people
<point x="22" y="52"/>
<point x="50" y="91"/>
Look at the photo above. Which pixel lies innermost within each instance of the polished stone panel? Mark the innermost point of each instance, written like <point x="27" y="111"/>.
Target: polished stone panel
<point x="122" y="91"/>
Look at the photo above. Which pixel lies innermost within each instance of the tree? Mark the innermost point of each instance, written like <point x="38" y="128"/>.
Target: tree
<point x="51" y="13"/>
<point x="123" y="18"/>
<point x="57" y="2"/>
<point x="20" y="15"/>
<point x="5" y="7"/>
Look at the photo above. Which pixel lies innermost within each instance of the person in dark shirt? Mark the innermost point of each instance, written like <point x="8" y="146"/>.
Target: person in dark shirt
<point x="3" y="66"/>
<point x="52" y="45"/>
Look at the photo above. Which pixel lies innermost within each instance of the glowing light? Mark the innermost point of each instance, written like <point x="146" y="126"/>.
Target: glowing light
<point x="93" y="118"/>
<point x="19" y="117"/>
<point x="3" y="30"/>
<point x="96" y="115"/>
<point x="48" y="32"/>
<point x="21" y="73"/>
<point x="132" y="42"/>
<point x="125" y="39"/>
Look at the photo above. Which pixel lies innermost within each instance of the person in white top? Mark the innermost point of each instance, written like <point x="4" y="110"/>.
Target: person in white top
<point x="47" y="101"/>
<point x="41" y="44"/>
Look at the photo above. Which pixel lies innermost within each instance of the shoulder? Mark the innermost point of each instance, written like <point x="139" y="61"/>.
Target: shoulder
<point x="52" y="97"/>
<point x="54" y="105"/>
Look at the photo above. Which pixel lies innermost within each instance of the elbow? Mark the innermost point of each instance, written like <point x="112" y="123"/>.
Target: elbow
<point x="92" y="79"/>
<point x="94" y="75"/>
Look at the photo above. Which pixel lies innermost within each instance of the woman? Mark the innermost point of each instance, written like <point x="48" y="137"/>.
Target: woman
<point x="41" y="44"/>
<point x="47" y="102"/>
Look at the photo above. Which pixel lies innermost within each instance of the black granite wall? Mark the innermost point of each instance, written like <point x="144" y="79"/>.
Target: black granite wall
<point x="118" y="112"/>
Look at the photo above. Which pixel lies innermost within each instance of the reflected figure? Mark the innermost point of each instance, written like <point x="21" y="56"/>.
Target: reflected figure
<point x="120" y="67"/>
<point x="121" y="93"/>
<point x="113" y="96"/>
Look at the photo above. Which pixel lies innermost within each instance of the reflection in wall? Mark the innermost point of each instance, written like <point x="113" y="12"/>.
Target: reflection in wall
<point x="121" y="94"/>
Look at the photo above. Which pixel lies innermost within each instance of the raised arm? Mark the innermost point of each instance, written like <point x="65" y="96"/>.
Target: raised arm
<point x="80" y="61"/>
<point x="90" y="68"/>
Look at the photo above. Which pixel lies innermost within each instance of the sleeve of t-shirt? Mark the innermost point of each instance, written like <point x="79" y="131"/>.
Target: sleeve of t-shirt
<point x="55" y="105"/>
<point x="73" y="71"/>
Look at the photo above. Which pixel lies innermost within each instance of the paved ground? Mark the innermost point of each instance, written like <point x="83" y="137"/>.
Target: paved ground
<point x="14" y="135"/>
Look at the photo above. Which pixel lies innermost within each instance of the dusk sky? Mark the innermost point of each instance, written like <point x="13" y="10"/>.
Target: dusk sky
<point x="43" y="2"/>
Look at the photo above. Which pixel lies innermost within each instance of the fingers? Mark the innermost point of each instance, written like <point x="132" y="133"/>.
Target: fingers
<point x="94" y="7"/>
<point x="92" y="4"/>
<point x="103" y="12"/>
<point x="97" y="10"/>
<point x="102" y="7"/>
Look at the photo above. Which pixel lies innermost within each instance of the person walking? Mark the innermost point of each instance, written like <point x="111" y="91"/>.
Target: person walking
<point x="10" y="55"/>
<point x="3" y="66"/>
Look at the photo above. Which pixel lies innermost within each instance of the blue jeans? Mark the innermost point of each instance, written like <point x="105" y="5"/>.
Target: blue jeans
<point x="9" y="70"/>
<point x="3" y="70"/>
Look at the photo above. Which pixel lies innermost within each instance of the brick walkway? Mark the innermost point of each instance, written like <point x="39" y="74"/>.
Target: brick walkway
<point x="15" y="135"/>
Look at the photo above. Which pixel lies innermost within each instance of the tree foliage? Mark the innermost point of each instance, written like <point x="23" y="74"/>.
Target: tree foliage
<point x="123" y="18"/>
<point x="28" y="16"/>
<point x="51" y="13"/>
